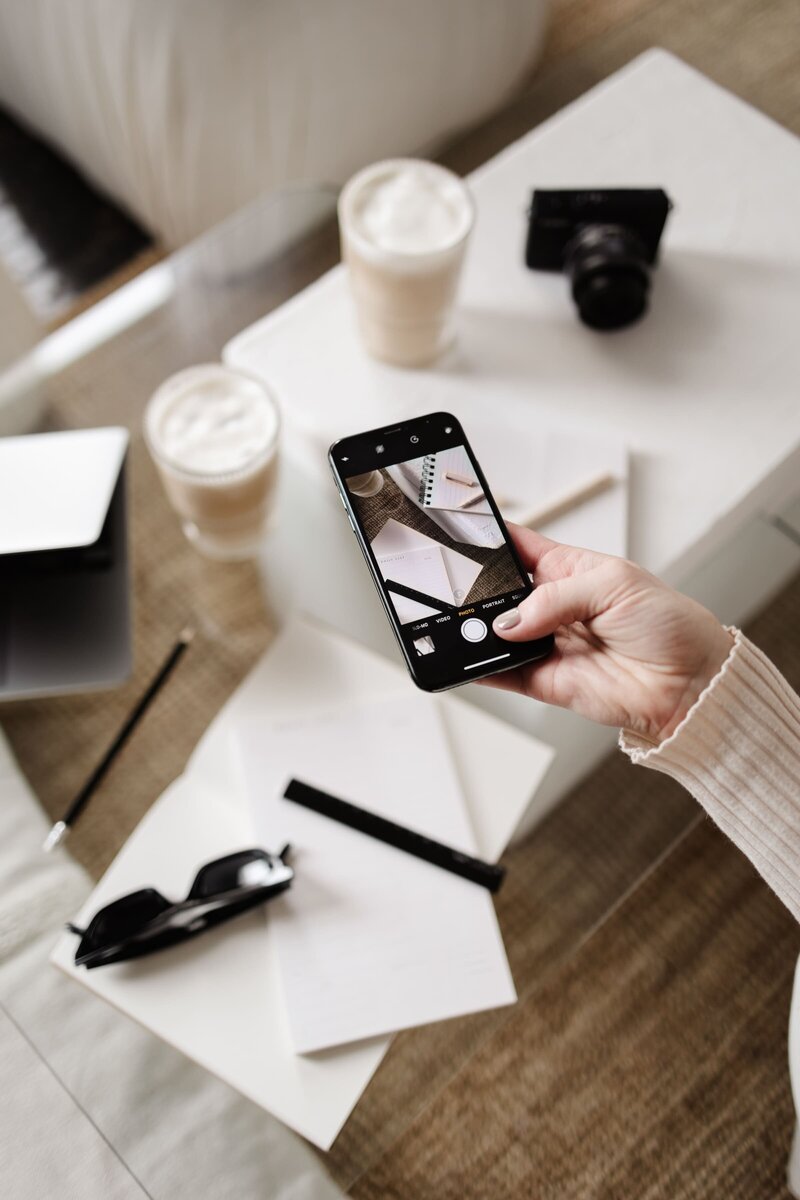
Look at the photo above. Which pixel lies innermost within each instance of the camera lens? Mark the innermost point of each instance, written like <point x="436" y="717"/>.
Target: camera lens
<point x="414" y="438"/>
<point x="608" y="269"/>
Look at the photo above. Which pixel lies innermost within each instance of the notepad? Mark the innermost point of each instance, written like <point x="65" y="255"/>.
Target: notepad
<point x="526" y="472"/>
<point x="448" y="480"/>
<point x="371" y="939"/>
<point x="462" y="525"/>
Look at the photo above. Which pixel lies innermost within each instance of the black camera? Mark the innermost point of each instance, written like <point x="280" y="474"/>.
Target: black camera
<point x="606" y="240"/>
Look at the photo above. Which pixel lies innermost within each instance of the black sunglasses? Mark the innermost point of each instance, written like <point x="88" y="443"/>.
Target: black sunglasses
<point x="146" y="921"/>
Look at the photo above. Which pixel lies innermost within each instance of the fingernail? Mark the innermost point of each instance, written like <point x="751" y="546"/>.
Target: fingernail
<point x="507" y="620"/>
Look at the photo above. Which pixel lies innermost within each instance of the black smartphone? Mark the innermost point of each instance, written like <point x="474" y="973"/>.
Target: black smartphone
<point x="437" y="548"/>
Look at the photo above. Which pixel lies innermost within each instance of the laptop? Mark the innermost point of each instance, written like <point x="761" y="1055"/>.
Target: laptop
<point x="65" y="611"/>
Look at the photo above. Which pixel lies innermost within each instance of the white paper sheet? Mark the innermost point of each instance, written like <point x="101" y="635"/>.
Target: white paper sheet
<point x="397" y="538"/>
<point x="218" y="999"/>
<point x="423" y="570"/>
<point x="370" y="939"/>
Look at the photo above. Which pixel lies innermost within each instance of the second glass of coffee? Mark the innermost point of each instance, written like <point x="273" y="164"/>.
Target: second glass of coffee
<point x="213" y="435"/>
<point x="404" y="226"/>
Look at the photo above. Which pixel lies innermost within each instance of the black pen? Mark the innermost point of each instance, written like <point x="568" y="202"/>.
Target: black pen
<point x="486" y="874"/>
<point x="61" y="828"/>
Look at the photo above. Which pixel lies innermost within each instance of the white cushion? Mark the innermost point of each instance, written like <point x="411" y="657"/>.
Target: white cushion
<point x="184" y="110"/>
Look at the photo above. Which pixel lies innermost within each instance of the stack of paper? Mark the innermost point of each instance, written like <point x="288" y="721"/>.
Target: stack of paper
<point x="221" y="998"/>
<point x="370" y="939"/>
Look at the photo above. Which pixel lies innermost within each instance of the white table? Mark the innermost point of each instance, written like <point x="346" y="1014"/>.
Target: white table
<point x="705" y="389"/>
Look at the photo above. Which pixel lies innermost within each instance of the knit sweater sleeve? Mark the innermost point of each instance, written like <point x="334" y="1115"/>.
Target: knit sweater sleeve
<point x="738" y="752"/>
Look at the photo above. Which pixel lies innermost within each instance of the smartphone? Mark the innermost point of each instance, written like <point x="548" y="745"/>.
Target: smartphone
<point x="437" y="548"/>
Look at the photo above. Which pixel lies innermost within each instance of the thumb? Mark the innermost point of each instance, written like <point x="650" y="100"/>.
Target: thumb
<point x="559" y="602"/>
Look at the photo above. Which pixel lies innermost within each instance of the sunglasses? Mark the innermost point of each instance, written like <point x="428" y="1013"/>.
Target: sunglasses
<point x="145" y="921"/>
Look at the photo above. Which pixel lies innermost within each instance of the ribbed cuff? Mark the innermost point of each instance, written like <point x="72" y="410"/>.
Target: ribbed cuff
<point x="738" y="752"/>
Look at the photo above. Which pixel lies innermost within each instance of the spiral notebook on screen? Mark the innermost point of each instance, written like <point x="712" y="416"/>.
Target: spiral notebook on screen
<point x="448" y="480"/>
<point x="475" y="525"/>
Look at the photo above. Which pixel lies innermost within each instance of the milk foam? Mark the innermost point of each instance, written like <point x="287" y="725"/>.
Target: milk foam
<point x="412" y="209"/>
<point x="212" y="421"/>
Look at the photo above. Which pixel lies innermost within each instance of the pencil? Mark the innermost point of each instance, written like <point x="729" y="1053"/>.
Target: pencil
<point x="486" y="874"/>
<point x="61" y="828"/>
<point x="533" y="518"/>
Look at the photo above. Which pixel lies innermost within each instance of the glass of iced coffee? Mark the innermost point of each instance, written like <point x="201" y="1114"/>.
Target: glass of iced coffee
<point x="404" y="225"/>
<point x="213" y="435"/>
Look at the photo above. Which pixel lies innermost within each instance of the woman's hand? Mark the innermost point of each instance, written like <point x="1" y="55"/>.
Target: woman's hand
<point x="629" y="650"/>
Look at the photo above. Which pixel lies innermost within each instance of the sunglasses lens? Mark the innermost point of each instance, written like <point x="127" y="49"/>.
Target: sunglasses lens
<point x="124" y="918"/>
<point x="248" y="868"/>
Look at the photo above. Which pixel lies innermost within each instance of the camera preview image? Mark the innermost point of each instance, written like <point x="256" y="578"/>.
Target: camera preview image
<point x="434" y="536"/>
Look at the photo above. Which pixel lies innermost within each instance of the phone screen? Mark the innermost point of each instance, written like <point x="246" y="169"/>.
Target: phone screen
<point x="437" y="547"/>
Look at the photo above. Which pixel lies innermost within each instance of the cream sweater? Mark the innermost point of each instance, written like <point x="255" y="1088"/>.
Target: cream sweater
<point x="738" y="752"/>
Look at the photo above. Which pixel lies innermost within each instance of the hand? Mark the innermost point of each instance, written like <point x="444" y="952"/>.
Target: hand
<point x="629" y="650"/>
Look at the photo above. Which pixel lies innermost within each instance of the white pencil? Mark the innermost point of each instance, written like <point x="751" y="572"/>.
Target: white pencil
<point x="559" y="505"/>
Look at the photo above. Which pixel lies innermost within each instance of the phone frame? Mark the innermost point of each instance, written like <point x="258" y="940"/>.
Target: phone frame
<point x="428" y="431"/>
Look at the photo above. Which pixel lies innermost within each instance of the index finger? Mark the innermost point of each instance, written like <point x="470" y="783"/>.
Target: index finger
<point x="549" y="560"/>
<point x="531" y="546"/>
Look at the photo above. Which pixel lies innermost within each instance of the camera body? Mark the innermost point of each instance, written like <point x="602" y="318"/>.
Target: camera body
<point x="605" y="240"/>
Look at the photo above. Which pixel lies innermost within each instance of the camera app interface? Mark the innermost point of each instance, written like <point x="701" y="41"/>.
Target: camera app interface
<point x="446" y="568"/>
